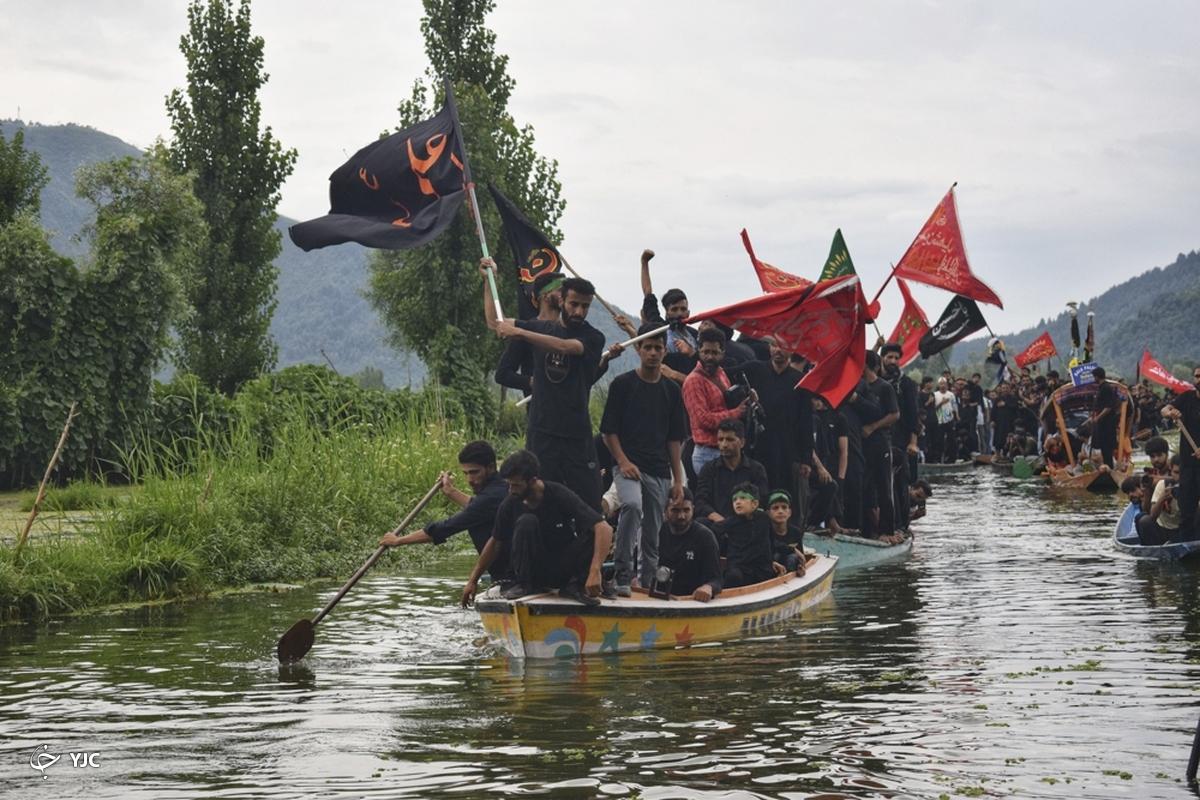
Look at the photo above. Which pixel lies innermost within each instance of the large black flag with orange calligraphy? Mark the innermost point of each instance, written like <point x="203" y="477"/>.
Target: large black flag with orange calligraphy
<point x="396" y="193"/>
<point x="532" y="251"/>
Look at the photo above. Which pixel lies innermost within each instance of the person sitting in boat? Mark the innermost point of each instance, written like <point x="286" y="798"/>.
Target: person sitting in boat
<point x="555" y="540"/>
<point x="746" y="540"/>
<point x="787" y="539"/>
<point x="477" y="460"/>
<point x="1159" y="451"/>
<point x="1138" y="489"/>
<point x="690" y="551"/>
<point x="716" y="481"/>
<point x="1162" y="523"/>
<point x="1053" y="452"/>
<point x="918" y="493"/>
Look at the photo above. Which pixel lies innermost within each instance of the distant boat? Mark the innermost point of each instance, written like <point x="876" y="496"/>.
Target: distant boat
<point x="936" y="467"/>
<point x="1068" y="408"/>
<point x="856" y="551"/>
<point x="548" y="626"/>
<point x="1125" y="539"/>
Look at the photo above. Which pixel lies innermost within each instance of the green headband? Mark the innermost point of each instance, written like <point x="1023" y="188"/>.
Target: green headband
<point x="779" y="496"/>
<point x="551" y="286"/>
<point x="743" y="496"/>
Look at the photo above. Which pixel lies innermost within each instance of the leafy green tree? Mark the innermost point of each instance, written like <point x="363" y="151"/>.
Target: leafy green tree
<point x="430" y="297"/>
<point x="237" y="168"/>
<point x="22" y="178"/>
<point x="95" y="332"/>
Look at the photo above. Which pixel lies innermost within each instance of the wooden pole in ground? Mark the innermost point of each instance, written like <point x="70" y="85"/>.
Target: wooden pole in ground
<point x="41" y="495"/>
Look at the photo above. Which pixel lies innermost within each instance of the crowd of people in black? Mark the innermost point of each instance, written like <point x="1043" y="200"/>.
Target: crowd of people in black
<point x="709" y="464"/>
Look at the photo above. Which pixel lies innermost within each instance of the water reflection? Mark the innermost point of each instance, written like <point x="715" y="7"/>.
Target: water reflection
<point x="1014" y="653"/>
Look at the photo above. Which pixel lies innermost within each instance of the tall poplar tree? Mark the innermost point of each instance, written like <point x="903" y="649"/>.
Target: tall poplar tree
<point x="237" y="168"/>
<point x="430" y="297"/>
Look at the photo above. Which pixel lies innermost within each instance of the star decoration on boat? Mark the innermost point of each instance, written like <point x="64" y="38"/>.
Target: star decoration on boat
<point x="650" y="637"/>
<point x="684" y="637"/>
<point x="612" y="638"/>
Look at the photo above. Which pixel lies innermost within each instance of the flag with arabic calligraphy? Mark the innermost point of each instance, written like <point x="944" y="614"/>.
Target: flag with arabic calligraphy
<point x="772" y="278"/>
<point x="824" y="322"/>
<point x="912" y="326"/>
<point x="396" y="193"/>
<point x="960" y="319"/>
<point x="532" y="251"/>
<point x="938" y="257"/>
<point x="839" y="262"/>
<point x="1152" y="368"/>
<point x="1040" y="349"/>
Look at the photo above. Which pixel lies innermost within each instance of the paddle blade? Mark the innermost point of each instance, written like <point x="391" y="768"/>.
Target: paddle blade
<point x="294" y="644"/>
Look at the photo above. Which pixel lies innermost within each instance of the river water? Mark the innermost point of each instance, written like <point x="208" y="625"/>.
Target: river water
<point x="1013" y="654"/>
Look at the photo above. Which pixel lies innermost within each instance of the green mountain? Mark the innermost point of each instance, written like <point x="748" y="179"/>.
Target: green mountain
<point x="322" y="315"/>
<point x="1157" y="310"/>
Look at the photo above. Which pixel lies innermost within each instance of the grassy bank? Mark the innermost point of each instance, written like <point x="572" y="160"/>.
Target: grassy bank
<point x="308" y="502"/>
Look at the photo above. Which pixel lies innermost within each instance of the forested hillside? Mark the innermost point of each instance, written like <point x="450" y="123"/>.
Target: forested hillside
<point x="1156" y="310"/>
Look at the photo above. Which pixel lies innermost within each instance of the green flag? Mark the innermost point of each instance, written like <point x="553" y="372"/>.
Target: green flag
<point x="838" y="263"/>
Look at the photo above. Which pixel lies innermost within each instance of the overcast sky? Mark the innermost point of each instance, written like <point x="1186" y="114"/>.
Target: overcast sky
<point x="1073" y="129"/>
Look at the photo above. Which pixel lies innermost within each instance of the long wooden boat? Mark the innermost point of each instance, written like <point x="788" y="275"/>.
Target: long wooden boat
<point x="1064" y="411"/>
<point x="1125" y="539"/>
<point x="548" y="626"/>
<point x="855" y="551"/>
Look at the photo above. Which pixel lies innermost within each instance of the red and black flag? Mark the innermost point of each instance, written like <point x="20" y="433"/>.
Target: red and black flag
<point x="961" y="318"/>
<point x="395" y="193"/>
<point x="532" y="251"/>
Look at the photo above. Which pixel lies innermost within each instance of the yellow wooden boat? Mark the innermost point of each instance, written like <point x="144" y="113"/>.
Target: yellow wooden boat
<point x="548" y="626"/>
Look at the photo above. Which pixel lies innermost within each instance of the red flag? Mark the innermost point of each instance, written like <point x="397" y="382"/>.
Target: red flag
<point x="1151" y="368"/>
<point x="823" y="322"/>
<point x="773" y="279"/>
<point x="912" y="326"/>
<point x="938" y="257"/>
<point x="1039" y="349"/>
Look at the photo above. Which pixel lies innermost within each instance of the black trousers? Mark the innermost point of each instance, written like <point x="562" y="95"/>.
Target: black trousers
<point x="540" y="564"/>
<point x="1187" y="494"/>
<point x="1106" y="442"/>
<point x="901" y="505"/>
<point x="745" y="574"/>
<point x="823" y="501"/>
<point x="1150" y="533"/>
<point x="569" y="461"/>
<point x="852" y="496"/>
<point x="877" y="491"/>
<point x="945" y="444"/>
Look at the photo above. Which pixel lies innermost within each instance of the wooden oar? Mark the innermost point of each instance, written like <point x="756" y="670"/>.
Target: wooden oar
<point x="298" y="640"/>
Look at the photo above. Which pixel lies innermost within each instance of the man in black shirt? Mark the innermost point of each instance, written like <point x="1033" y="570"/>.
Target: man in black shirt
<point x="859" y="407"/>
<point x="644" y="429"/>
<point x="478" y="515"/>
<point x="1185" y="410"/>
<point x="690" y="551"/>
<point x="785" y="447"/>
<point x="831" y="457"/>
<point x="555" y="540"/>
<point x="1106" y="414"/>
<point x="878" y="497"/>
<point x="715" y="483"/>
<point x="567" y="354"/>
<point x="903" y="433"/>
<point x="683" y="343"/>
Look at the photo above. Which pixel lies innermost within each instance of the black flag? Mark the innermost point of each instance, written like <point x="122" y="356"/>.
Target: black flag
<point x="960" y="319"/>
<point x="395" y="193"/>
<point x="532" y="251"/>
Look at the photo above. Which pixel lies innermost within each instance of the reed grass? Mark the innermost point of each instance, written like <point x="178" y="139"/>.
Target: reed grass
<point x="230" y="508"/>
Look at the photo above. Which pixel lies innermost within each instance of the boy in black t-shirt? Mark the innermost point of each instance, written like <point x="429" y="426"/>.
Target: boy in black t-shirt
<point x="554" y="539"/>
<point x="746" y="541"/>
<point x="787" y="539"/>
